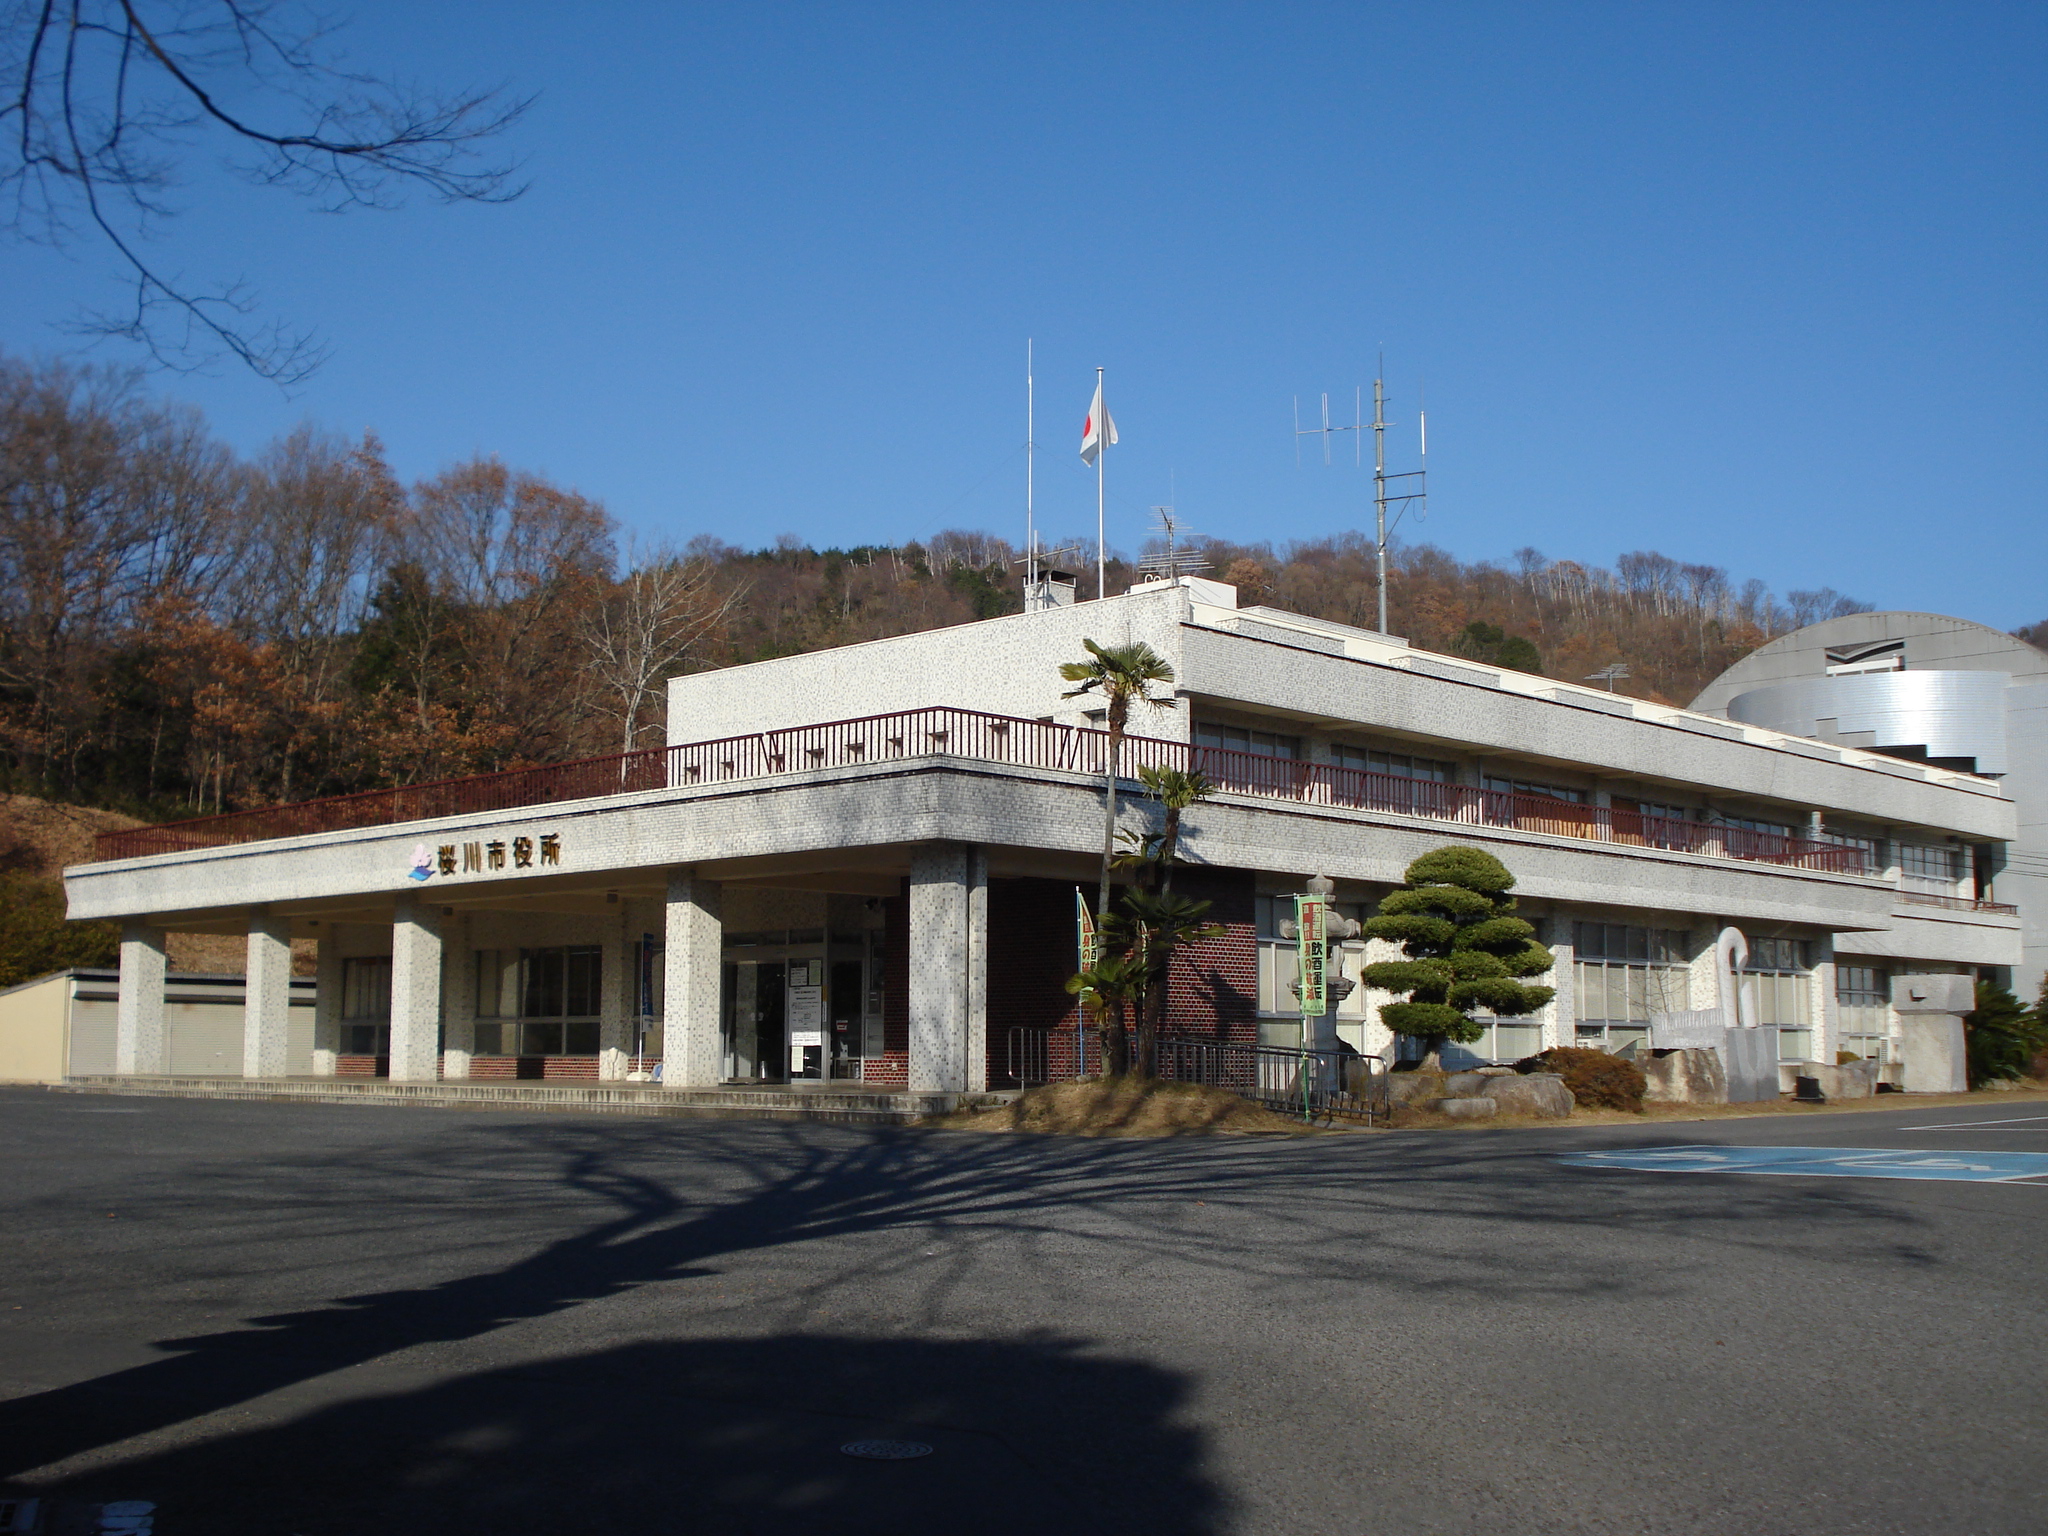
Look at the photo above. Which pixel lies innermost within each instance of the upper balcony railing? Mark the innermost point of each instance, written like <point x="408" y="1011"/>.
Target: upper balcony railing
<point x="1957" y="903"/>
<point x="969" y="735"/>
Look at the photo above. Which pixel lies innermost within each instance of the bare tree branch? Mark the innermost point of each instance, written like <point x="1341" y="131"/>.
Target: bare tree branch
<point x="102" y="101"/>
<point x="645" y="628"/>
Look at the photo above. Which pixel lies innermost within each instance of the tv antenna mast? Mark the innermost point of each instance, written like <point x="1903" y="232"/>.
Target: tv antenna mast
<point x="1608" y="674"/>
<point x="1387" y="490"/>
<point x="1174" y="562"/>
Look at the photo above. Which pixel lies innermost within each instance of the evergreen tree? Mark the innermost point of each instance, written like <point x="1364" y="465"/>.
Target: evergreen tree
<point x="1466" y="949"/>
<point x="2001" y="1036"/>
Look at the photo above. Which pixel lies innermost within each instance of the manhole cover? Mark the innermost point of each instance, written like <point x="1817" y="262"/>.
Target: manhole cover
<point x="886" y="1450"/>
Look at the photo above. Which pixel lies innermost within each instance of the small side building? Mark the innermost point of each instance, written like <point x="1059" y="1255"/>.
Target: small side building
<point x="63" y="1025"/>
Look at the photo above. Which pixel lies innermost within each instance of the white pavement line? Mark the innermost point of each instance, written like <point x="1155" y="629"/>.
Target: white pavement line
<point x="1971" y="1125"/>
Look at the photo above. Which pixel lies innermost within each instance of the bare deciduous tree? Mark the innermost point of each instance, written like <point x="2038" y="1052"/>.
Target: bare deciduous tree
<point x="644" y="628"/>
<point x="104" y="100"/>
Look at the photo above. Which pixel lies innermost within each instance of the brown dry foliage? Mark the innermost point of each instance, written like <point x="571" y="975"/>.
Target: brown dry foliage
<point x="1125" y="1107"/>
<point x="1596" y="1079"/>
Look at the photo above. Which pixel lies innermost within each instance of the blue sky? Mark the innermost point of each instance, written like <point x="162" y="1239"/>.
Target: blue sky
<point x="1753" y="284"/>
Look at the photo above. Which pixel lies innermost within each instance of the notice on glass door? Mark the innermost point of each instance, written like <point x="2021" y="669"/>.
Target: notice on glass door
<point x="806" y="1009"/>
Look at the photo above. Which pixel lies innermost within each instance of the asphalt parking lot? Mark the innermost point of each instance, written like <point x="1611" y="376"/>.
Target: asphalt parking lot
<point x="315" y="1319"/>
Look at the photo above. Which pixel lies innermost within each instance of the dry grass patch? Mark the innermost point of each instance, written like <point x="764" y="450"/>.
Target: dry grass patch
<point x="1125" y="1107"/>
<point x="1407" y="1119"/>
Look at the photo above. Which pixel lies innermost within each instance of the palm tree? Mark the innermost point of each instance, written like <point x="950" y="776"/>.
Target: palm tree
<point x="1124" y="674"/>
<point x="1106" y="991"/>
<point x="1154" y="926"/>
<point x="1175" y="789"/>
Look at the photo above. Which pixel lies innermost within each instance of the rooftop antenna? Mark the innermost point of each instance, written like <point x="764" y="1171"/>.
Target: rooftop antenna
<point x="1030" y="433"/>
<point x="1386" y="490"/>
<point x="1608" y="674"/>
<point x="1174" y="563"/>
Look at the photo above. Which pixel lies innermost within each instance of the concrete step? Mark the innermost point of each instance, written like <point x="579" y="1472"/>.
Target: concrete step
<point x="835" y="1104"/>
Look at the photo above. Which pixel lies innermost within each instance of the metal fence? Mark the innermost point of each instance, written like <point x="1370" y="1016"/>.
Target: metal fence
<point x="1316" y="1085"/>
<point x="1956" y="903"/>
<point x="963" y="733"/>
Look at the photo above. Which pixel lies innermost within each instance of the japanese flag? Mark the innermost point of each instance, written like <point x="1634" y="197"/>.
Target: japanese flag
<point x="1097" y="429"/>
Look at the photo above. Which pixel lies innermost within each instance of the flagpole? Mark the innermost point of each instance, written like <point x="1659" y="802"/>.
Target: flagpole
<point x="1101" y="452"/>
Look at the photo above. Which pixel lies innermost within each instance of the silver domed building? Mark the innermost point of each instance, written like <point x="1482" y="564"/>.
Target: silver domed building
<point x="1928" y="689"/>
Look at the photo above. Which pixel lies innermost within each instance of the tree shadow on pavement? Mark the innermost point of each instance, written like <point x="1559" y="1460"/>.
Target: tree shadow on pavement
<point x="714" y="1437"/>
<point x="477" y="1226"/>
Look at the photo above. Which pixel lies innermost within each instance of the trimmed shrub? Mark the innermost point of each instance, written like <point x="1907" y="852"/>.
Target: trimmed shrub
<point x="1596" y="1079"/>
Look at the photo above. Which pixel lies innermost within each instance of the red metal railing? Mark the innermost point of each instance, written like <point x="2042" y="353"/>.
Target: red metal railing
<point x="969" y="734"/>
<point x="1957" y="903"/>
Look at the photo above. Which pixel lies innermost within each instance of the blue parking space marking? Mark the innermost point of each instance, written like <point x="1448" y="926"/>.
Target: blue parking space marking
<point x="1826" y="1162"/>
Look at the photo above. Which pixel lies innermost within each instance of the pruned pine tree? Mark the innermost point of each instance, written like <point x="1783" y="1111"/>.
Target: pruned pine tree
<point x="1465" y="948"/>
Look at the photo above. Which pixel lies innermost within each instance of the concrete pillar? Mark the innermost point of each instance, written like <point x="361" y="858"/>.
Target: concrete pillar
<point x="940" y="950"/>
<point x="1821" y="1006"/>
<point x="614" y="1023"/>
<point x="1704" y="974"/>
<point x="977" y="971"/>
<point x="327" y="1000"/>
<point x="458" y="997"/>
<point x="141" y="1043"/>
<point x="1560" y="1019"/>
<point x="267" y="997"/>
<point x="415" y="992"/>
<point x="692" y="983"/>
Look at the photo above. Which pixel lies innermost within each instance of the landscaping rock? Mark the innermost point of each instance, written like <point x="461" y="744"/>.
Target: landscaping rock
<point x="1415" y="1087"/>
<point x="1684" y="1077"/>
<point x="1464" y="1085"/>
<point x="1542" y="1094"/>
<point x="1469" y="1109"/>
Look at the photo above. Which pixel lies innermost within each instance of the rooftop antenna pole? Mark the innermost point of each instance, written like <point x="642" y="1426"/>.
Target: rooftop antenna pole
<point x="1379" y="484"/>
<point x="1030" y="423"/>
<point x="1382" y="498"/>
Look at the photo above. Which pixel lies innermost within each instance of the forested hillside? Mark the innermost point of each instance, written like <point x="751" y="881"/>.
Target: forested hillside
<point x="184" y="630"/>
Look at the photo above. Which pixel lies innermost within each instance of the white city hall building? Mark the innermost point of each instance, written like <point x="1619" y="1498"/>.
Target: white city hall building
<point x="859" y="865"/>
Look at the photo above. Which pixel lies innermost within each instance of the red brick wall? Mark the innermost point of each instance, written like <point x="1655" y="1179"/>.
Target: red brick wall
<point x="1213" y="989"/>
<point x="1031" y="953"/>
<point x="892" y="1068"/>
<point x="569" y="1068"/>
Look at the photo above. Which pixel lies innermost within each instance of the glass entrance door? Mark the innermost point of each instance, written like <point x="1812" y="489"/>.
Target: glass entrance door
<point x="756" y="1031"/>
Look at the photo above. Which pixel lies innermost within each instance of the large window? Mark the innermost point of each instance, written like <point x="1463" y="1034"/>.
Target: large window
<point x="1549" y="791"/>
<point x="1232" y="738"/>
<point x="1779" y="974"/>
<point x="366" y="1006"/>
<point x="1863" y="1009"/>
<point x="1865" y="850"/>
<point x="1399" y="765"/>
<point x="1505" y="1040"/>
<point x="538" y="1002"/>
<point x="1933" y="868"/>
<point x="1624" y="975"/>
<point x="1279" y="1008"/>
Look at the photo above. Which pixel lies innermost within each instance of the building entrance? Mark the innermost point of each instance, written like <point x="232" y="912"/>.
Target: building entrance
<point x="804" y="1009"/>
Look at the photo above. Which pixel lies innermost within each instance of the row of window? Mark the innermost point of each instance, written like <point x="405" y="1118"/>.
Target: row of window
<point x="1923" y="866"/>
<point x="529" y="1002"/>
